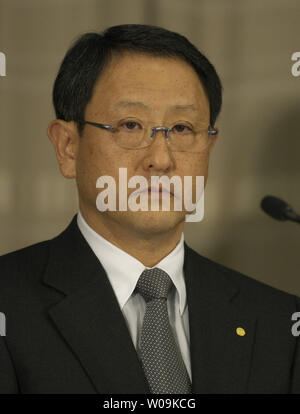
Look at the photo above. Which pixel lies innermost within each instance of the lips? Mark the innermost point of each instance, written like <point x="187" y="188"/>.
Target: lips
<point x="155" y="190"/>
<point x="160" y="190"/>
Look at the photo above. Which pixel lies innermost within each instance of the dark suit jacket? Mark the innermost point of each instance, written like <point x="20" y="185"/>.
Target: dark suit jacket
<point x="65" y="332"/>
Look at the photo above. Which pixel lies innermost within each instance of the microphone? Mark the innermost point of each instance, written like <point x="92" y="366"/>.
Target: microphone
<point x="278" y="209"/>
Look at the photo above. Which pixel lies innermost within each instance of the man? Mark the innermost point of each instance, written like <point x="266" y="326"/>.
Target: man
<point x="79" y="316"/>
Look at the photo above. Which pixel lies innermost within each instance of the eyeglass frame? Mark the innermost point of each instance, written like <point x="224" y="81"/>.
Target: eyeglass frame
<point x="166" y="130"/>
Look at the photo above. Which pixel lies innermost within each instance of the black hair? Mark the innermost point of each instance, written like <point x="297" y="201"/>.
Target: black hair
<point x="91" y="52"/>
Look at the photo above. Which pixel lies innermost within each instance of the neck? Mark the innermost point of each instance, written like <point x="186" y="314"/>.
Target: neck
<point x="148" y="248"/>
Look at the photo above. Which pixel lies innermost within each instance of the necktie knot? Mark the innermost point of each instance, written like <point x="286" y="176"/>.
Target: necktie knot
<point x="154" y="284"/>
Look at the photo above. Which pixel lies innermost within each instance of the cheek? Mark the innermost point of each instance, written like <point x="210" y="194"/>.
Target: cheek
<point x="194" y="164"/>
<point x="94" y="161"/>
<point x="88" y="169"/>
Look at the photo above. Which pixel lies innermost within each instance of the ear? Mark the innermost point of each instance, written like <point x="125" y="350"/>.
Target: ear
<point x="65" y="140"/>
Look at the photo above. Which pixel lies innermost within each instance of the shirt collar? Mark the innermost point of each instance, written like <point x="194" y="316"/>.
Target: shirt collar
<point x="123" y="270"/>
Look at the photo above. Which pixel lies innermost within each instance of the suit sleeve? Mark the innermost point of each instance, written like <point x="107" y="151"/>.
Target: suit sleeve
<point x="296" y="366"/>
<point x="8" y="380"/>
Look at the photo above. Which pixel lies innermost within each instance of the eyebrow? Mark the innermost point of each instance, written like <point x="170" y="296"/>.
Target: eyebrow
<point x="126" y="104"/>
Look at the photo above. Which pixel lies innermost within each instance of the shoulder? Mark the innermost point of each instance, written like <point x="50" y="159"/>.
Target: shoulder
<point x="31" y="260"/>
<point x="27" y="256"/>
<point x="251" y="291"/>
<point x="23" y="266"/>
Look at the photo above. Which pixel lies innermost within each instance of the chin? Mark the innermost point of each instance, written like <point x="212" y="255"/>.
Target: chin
<point x="152" y="222"/>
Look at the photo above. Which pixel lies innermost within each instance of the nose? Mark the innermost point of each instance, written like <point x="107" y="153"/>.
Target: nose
<point x="158" y="155"/>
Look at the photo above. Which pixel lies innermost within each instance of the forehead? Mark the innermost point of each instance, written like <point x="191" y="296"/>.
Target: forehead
<point x="155" y="83"/>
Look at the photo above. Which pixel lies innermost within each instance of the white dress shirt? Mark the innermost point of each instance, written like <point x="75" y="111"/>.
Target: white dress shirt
<point x="123" y="271"/>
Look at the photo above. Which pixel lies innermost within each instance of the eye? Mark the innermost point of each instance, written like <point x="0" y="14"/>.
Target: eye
<point x="182" y="129"/>
<point x="130" y="126"/>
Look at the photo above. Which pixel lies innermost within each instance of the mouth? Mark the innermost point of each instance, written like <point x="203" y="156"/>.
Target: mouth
<point x="160" y="190"/>
<point x="156" y="191"/>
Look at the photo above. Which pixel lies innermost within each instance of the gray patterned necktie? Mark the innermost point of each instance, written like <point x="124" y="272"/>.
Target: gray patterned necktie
<point x="159" y="353"/>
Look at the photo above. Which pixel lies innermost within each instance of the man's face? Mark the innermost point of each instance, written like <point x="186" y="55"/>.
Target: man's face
<point x="157" y="84"/>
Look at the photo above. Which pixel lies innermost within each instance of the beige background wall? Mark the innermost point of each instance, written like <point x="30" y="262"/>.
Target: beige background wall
<point x="249" y="41"/>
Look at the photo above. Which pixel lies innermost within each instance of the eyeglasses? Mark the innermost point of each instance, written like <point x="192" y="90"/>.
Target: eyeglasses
<point x="133" y="133"/>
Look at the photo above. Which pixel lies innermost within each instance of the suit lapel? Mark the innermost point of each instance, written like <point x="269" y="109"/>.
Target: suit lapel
<point x="89" y="317"/>
<point x="220" y="358"/>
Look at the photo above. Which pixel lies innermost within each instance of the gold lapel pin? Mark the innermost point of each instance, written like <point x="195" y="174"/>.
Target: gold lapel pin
<point x="240" y="331"/>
